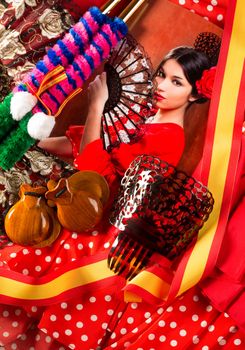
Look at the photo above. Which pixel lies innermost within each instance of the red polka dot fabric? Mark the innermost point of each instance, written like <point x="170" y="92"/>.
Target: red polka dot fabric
<point x="212" y="10"/>
<point x="100" y="319"/>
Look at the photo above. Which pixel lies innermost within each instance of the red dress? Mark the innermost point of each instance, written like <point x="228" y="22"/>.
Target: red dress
<point x="98" y="318"/>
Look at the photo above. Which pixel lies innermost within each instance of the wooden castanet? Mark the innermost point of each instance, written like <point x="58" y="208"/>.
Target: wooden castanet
<point x="77" y="210"/>
<point x="31" y="221"/>
<point x="92" y="182"/>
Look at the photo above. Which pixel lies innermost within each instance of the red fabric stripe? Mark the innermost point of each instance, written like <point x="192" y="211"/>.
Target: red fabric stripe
<point x="230" y="179"/>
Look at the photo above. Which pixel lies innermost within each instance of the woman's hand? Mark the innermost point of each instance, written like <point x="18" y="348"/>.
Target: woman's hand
<point x="98" y="94"/>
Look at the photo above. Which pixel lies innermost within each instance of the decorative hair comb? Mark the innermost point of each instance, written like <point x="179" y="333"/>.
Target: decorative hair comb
<point x="159" y="210"/>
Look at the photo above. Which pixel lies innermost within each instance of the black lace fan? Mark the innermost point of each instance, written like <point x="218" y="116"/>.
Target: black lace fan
<point x="129" y="73"/>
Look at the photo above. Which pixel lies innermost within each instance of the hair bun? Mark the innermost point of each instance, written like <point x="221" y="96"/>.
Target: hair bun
<point x="208" y="43"/>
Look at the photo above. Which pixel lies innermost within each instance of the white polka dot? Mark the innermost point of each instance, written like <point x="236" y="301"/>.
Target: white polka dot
<point x="104" y="325"/>
<point x="226" y="315"/>
<point x="25" y="272"/>
<point x="79" y="324"/>
<point x="5" y="334"/>
<point x="151" y="336"/>
<point x="79" y="307"/>
<point x="67" y="317"/>
<point x="68" y="332"/>
<point x="38" y="252"/>
<point x="160" y="311"/>
<point x="196" y="1"/>
<point x="126" y="344"/>
<point x="15" y="324"/>
<point x="170" y="309"/>
<point x="44" y="330"/>
<point x="94" y="318"/>
<point x="147" y="314"/>
<point x="5" y="313"/>
<point x="134" y="305"/>
<point x="71" y="346"/>
<point x="204" y="324"/>
<point x="31" y="348"/>
<point x="37" y="337"/>
<point x="148" y="320"/>
<point x="23" y="337"/>
<point x="58" y="260"/>
<point x="13" y="346"/>
<point x="205" y="17"/>
<point x="107" y="245"/>
<point x="161" y="323"/>
<point x="221" y="341"/>
<point x="211" y="328"/>
<point x="182" y="2"/>
<point x="195" y="318"/>
<point x="25" y="251"/>
<point x="63" y="305"/>
<point x="130" y="320"/>
<point x="182" y="332"/>
<point x="107" y="298"/>
<point x="114" y="345"/>
<point x="173" y="343"/>
<point x="123" y="331"/>
<point x="74" y="235"/>
<point x="135" y="330"/>
<point x="237" y="341"/>
<point x="233" y="329"/>
<point x="110" y="312"/>
<point x="113" y="335"/>
<point x="56" y="335"/>
<point x="67" y="246"/>
<point x="196" y="298"/>
<point x="173" y="325"/>
<point x="182" y="308"/>
<point x="48" y="258"/>
<point x="210" y="8"/>
<point x="205" y="347"/>
<point x="91" y="244"/>
<point x="84" y="337"/>
<point x="209" y="308"/>
<point x="17" y="312"/>
<point x="48" y="339"/>
<point x="95" y="233"/>
<point x="195" y="339"/>
<point x="80" y="246"/>
<point x="119" y="315"/>
<point x="220" y="17"/>
<point x="12" y="255"/>
<point x="92" y="299"/>
<point x="53" y="318"/>
<point x="162" y="338"/>
<point x="214" y="2"/>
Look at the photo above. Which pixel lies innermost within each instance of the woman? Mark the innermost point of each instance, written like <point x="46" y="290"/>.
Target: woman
<point x="98" y="318"/>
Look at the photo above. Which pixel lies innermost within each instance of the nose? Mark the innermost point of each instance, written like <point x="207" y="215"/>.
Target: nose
<point x="161" y="83"/>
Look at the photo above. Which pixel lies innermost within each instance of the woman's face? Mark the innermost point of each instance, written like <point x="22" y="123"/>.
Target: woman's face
<point x="173" y="91"/>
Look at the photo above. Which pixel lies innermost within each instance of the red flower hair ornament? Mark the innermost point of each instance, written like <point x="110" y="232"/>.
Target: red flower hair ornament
<point x="205" y="84"/>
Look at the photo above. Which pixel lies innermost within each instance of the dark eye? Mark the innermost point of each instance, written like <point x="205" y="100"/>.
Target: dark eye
<point x="176" y="82"/>
<point x="160" y="73"/>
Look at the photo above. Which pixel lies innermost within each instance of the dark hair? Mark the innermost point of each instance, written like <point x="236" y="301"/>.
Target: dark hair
<point x="193" y="63"/>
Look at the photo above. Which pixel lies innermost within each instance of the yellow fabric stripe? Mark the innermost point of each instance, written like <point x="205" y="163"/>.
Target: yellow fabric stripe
<point x="71" y="279"/>
<point x="221" y="147"/>
<point x="152" y="284"/>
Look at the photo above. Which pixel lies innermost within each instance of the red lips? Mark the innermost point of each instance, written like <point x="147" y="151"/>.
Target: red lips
<point x="158" y="97"/>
